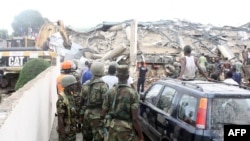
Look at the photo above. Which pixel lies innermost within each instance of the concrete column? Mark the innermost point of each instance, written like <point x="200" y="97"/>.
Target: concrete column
<point x="133" y="48"/>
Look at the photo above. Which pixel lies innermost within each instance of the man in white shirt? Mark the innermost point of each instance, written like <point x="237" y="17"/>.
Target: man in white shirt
<point x="111" y="79"/>
<point x="229" y="78"/>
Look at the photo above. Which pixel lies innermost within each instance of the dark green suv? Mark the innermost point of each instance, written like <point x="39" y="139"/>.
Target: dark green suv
<point x="175" y="110"/>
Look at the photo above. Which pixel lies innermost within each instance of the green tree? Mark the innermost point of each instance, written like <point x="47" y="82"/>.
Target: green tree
<point x="30" y="70"/>
<point x="25" y="20"/>
<point x="3" y="33"/>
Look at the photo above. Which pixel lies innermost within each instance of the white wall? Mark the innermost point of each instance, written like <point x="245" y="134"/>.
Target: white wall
<point x="31" y="110"/>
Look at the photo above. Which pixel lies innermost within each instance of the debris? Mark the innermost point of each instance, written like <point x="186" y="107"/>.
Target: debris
<point x="161" y="42"/>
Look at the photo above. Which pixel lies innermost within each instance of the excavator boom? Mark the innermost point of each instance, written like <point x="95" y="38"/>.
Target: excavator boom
<point x="50" y="28"/>
<point x="45" y="31"/>
<point x="67" y="43"/>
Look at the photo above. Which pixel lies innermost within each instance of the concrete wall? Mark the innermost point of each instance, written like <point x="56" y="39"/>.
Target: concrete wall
<point x="28" y="114"/>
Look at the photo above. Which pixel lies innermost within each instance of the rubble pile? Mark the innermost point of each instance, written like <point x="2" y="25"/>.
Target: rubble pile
<point x="161" y="42"/>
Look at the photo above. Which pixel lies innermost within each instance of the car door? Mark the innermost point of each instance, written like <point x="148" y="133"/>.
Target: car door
<point x="185" y="127"/>
<point x="148" y="111"/>
<point x="164" y="121"/>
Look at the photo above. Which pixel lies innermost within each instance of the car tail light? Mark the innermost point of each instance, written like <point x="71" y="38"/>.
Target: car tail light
<point x="202" y="114"/>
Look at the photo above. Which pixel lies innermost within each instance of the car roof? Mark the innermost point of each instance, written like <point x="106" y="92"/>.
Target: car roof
<point x="209" y="86"/>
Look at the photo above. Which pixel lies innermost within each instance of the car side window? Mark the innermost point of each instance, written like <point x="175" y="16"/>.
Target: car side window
<point x="152" y="93"/>
<point x="187" y="109"/>
<point x="166" y="99"/>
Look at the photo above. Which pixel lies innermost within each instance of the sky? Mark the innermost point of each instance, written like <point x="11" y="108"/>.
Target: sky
<point x="89" y="13"/>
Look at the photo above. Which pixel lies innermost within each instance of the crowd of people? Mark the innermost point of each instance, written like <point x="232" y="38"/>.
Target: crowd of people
<point x="224" y="70"/>
<point x="105" y="106"/>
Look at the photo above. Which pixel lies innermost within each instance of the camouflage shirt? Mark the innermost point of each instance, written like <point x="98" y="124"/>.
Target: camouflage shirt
<point x="66" y="105"/>
<point x="77" y="76"/>
<point x="126" y="100"/>
<point x="93" y="93"/>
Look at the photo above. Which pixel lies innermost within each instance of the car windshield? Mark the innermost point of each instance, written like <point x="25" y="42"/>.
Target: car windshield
<point x="230" y="111"/>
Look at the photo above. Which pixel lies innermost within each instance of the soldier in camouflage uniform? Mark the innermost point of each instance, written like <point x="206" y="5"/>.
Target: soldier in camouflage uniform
<point x="92" y="95"/>
<point x="66" y="110"/>
<point x="69" y="67"/>
<point x="77" y="94"/>
<point x="120" y="107"/>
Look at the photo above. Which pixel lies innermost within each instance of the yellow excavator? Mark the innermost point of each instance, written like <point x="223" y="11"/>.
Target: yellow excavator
<point x="50" y="28"/>
<point x="13" y="58"/>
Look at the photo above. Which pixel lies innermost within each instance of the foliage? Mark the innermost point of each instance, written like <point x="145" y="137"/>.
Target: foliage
<point x="30" y="70"/>
<point x="3" y="33"/>
<point x="25" y="20"/>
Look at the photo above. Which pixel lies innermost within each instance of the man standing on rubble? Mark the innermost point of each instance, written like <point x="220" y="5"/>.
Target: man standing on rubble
<point x="245" y="55"/>
<point x="188" y="65"/>
<point x="141" y="79"/>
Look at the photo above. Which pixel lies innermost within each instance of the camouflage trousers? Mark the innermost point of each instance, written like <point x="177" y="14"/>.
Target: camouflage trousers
<point x="70" y="133"/>
<point x="115" y="134"/>
<point x="78" y="124"/>
<point x="93" y="128"/>
<point x="69" y="137"/>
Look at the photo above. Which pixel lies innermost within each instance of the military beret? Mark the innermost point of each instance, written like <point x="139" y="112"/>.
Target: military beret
<point x="122" y="69"/>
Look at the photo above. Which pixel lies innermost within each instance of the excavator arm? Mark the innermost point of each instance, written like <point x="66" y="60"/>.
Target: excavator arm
<point x="45" y="31"/>
<point x="66" y="41"/>
<point x="50" y="28"/>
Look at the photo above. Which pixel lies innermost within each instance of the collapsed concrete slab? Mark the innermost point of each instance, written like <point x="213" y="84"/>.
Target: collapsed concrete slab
<point x="161" y="42"/>
<point x="167" y="36"/>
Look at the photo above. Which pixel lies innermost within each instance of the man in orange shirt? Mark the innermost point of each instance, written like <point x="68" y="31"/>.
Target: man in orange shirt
<point x="65" y="69"/>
